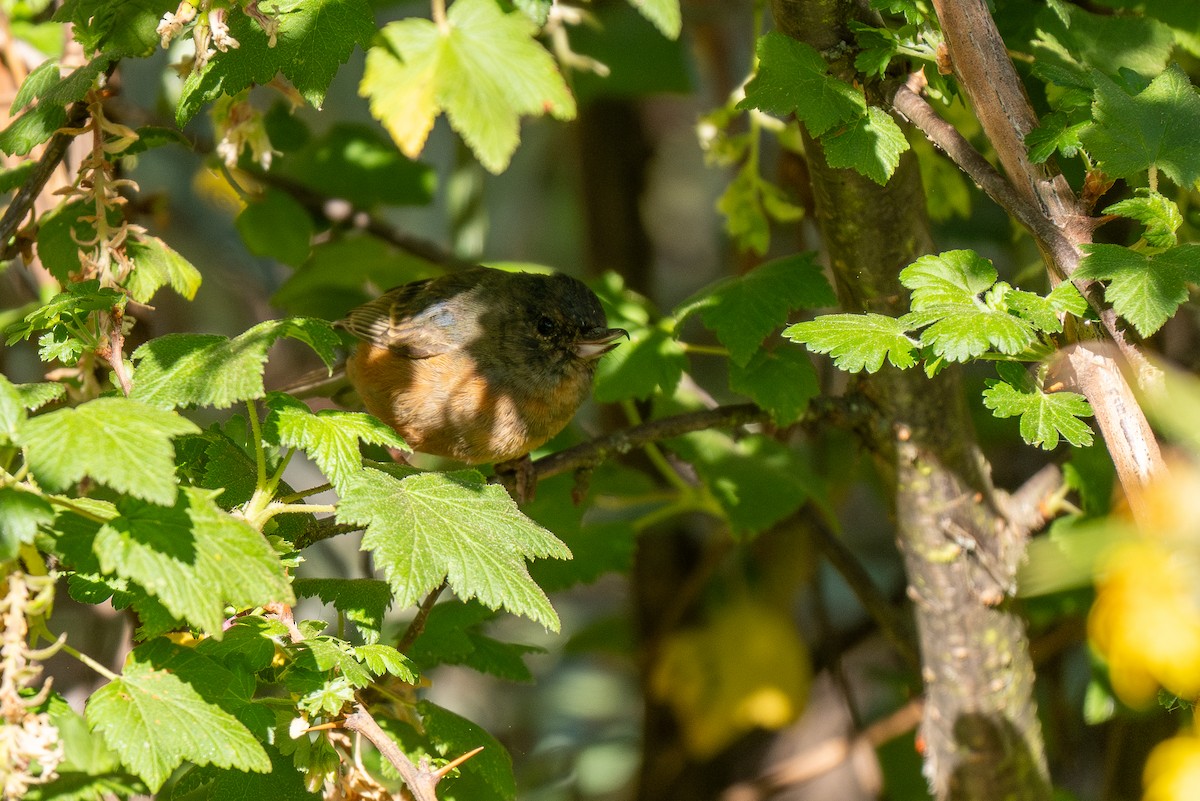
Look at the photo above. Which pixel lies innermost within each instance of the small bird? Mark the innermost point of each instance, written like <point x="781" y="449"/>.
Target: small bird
<point x="479" y="365"/>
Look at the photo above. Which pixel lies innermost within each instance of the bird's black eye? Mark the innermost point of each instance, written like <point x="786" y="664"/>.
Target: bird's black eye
<point x="545" y="326"/>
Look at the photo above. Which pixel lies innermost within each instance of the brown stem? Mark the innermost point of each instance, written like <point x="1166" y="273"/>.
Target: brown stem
<point x="421" y="781"/>
<point x="418" y="623"/>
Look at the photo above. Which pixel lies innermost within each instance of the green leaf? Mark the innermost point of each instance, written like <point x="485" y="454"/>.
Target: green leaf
<point x="792" y="77"/>
<point x="749" y="203"/>
<point x="484" y="69"/>
<point x="157" y="265"/>
<point x="1044" y="416"/>
<point x="782" y="381"/>
<point x="329" y="437"/>
<point x="20" y="515"/>
<point x="384" y="659"/>
<point x="433" y="527"/>
<point x="118" y="28"/>
<point x="651" y="360"/>
<point x="1158" y="213"/>
<point x="743" y="311"/>
<point x="118" y="442"/>
<point x="1144" y="288"/>
<point x="39" y="123"/>
<point x="756" y="480"/>
<point x="36" y="84"/>
<point x="157" y="718"/>
<point x="354" y="162"/>
<point x="278" y="227"/>
<point x="955" y="277"/>
<point x="857" y="341"/>
<point x="35" y="396"/>
<point x="194" y="558"/>
<point x="870" y="144"/>
<point x="455" y="634"/>
<point x="68" y="311"/>
<point x="12" y="411"/>
<point x="1066" y="298"/>
<point x="664" y="14"/>
<point x="250" y="641"/>
<point x="1056" y="133"/>
<point x="363" y="601"/>
<point x="314" y="37"/>
<point x="1154" y="127"/>
<point x="642" y="62"/>
<point x="284" y="783"/>
<point x="211" y="370"/>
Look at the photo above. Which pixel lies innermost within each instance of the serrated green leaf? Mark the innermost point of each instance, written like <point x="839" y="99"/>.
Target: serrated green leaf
<point x="156" y="265"/>
<point x="118" y="442"/>
<point x="36" y="84"/>
<point x="313" y="39"/>
<point x="67" y="311"/>
<point x="194" y="558"/>
<point x="363" y="601"/>
<point x="1144" y="288"/>
<point x="950" y="278"/>
<point x="782" y="381"/>
<point x="959" y="333"/>
<point x="433" y="527"/>
<point x="857" y="341"/>
<point x="870" y="144"/>
<point x="1056" y="133"/>
<point x="652" y="360"/>
<point x="285" y="782"/>
<point x="1044" y="416"/>
<point x="484" y="69"/>
<point x="211" y="370"/>
<point x="35" y="396"/>
<point x="326" y="655"/>
<point x="384" y="659"/>
<point x="1154" y="127"/>
<point x="156" y="719"/>
<point x="664" y="14"/>
<point x="39" y="123"/>
<point x="743" y="311"/>
<point x="329" y="437"/>
<point x="251" y="641"/>
<point x="119" y="29"/>
<point x="455" y="633"/>
<point x="792" y="77"/>
<point x="749" y="203"/>
<point x="1066" y="298"/>
<point x="20" y="515"/>
<point x="1156" y="212"/>
<point x="1040" y="312"/>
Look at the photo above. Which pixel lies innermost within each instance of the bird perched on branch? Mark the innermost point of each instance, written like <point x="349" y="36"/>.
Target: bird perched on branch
<point x="479" y="365"/>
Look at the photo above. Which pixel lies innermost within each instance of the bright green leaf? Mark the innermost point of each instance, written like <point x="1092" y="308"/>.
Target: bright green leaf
<point x="651" y="360"/>
<point x="1057" y="133"/>
<point x="870" y="144"/>
<point x="384" y="659"/>
<point x="1155" y="127"/>
<point x="124" y="28"/>
<point x="211" y="370"/>
<point x="156" y="719"/>
<point x="118" y="442"/>
<point x="329" y="437"/>
<point x="433" y="527"/>
<point x="1044" y="416"/>
<point x="857" y="341"/>
<point x="792" y="77"/>
<point x="12" y="411"/>
<point x="20" y="515"/>
<point x="455" y="633"/>
<point x="35" y="396"/>
<point x="484" y="69"/>
<point x="39" y="123"/>
<point x="949" y="278"/>
<point x="194" y="558"/>
<point x="1157" y="212"/>
<point x="782" y="381"/>
<point x="314" y="37"/>
<point x="156" y="265"/>
<point x="1144" y="288"/>
<point x="744" y="310"/>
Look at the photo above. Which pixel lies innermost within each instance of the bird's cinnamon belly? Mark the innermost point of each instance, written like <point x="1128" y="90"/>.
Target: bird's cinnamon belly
<point x="443" y="405"/>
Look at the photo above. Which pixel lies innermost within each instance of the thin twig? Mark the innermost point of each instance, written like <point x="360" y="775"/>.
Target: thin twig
<point x="421" y="781"/>
<point x="418" y="623"/>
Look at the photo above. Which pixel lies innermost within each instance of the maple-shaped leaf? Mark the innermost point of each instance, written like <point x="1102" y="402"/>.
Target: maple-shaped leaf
<point x="167" y="708"/>
<point x="193" y="557"/>
<point x="857" y="341"/>
<point x="1158" y="213"/>
<point x="484" y="68"/>
<point x="870" y="144"/>
<point x="427" y="528"/>
<point x="118" y="442"/>
<point x="212" y="370"/>
<point x="743" y="310"/>
<point x="793" y="77"/>
<point x="1144" y="288"/>
<point x="1155" y="127"/>
<point x="1045" y="416"/>
<point x="313" y="39"/>
<point x="330" y="437"/>
<point x="959" y="323"/>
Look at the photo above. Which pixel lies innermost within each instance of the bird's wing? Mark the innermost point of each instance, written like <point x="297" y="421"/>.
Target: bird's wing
<point x="413" y="320"/>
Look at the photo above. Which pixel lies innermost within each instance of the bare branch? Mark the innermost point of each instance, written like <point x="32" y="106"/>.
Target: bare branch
<point x="421" y="781"/>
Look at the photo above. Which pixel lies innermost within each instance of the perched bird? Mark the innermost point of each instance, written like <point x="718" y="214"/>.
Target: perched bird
<point x="478" y="365"/>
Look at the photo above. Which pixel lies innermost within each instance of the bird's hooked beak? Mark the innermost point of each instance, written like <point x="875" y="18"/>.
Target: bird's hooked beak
<point x="595" y="343"/>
